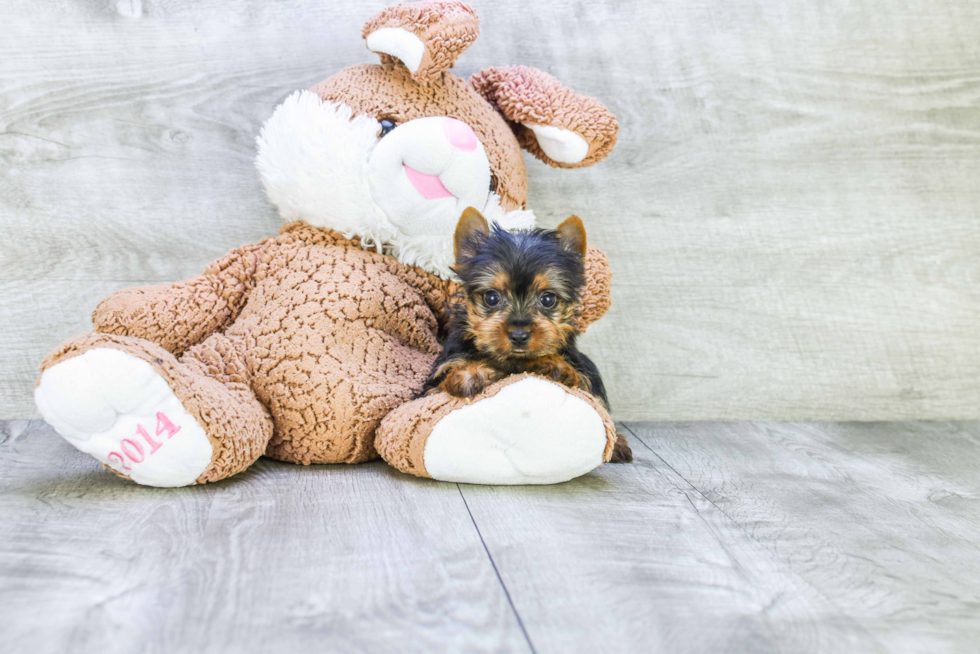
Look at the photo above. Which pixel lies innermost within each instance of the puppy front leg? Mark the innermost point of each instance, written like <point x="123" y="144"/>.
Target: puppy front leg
<point x="555" y="367"/>
<point x="465" y="378"/>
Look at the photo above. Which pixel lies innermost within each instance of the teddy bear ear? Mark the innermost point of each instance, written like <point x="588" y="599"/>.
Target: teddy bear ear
<point x="552" y="122"/>
<point x="426" y="37"/>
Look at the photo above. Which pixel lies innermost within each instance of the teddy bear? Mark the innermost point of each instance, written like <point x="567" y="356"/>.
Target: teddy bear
<point x="312" y="346"/>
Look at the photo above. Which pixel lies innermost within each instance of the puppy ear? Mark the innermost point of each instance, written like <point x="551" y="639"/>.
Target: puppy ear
<point x="426" y="37"/>
<point x="552" y="122"/>
<point x="571" y="235"/>
<point x="470" y="223"/>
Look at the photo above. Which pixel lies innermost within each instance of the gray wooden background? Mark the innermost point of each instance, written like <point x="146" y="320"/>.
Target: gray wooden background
<point x="792" y="213"/>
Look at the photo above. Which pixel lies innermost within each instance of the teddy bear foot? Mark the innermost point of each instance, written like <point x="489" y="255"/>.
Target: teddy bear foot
<point x="117" y="408"/>
<point x="522" y="430"/>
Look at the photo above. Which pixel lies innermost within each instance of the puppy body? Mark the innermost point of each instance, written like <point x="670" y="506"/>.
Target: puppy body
<point x="518" y="311"/>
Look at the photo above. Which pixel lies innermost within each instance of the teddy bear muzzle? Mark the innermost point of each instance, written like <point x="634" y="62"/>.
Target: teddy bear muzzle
<point x="425" y="172"/>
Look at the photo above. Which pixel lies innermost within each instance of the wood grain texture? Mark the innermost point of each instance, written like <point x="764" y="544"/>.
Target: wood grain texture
<point x="882" y="518"/>
<point x="792" y="212"/>
<point x="747" y="537"/>
<point x="630" y="558"/>
<point x="281" y="558"/>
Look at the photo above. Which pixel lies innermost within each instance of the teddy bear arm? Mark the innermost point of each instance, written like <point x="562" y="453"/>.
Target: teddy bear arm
<point x="181" y="314"/>
<point x="437" y="294"/>
<point x="597" y="297"/>
<point x="523" y="429"/>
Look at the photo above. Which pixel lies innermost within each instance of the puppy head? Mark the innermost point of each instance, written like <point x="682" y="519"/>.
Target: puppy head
<point x="522" y="288"/>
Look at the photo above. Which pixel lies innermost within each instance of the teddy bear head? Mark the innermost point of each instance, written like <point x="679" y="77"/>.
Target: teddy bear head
<point x="393" y="153"/>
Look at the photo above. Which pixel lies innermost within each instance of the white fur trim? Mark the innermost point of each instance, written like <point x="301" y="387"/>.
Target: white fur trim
<point x="531" y="432"/>
<point x="314" y="157"/>
<point x="434" y="254"/>
<point x="399" y="43"/>
<point x="561" y="145"/>
<point x="311" y="157"/>
<point x="107" y="403"/>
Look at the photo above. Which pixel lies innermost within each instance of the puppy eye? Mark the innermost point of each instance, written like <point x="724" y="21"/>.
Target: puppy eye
<point x="386" y="126"/>
<point x="491" y="298"/>
<point x="548" y="300"/>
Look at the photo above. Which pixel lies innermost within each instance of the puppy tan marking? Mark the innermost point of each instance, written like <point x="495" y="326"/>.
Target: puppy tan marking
<point x="555" y="367"/>
<point x="571" y="233"/>
<point x="467" y="378"/>
<point x="470" y="224"/>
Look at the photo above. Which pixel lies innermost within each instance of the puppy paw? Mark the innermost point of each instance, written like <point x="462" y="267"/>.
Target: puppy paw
<point x="463" y="383"/>
<point x="468" y="378"/>
<point x="621" y="451"/>
<point x="556" y="368"/>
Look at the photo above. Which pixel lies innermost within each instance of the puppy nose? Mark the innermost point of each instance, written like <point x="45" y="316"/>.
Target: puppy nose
<point x="519" y="336"/>
<point x="460" y="134"/>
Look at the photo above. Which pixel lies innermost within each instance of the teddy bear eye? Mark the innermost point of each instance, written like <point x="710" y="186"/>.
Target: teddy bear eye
<point x="386" y="126"/>
<point x="548" y="299"/>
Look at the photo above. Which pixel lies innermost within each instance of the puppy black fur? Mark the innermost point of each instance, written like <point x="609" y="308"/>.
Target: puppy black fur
<point x="517" y="311"/>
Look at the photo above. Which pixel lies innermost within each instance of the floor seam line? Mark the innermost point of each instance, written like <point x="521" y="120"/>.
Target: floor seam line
<point x="493" y="564"/>
<point x="756" y="540"/>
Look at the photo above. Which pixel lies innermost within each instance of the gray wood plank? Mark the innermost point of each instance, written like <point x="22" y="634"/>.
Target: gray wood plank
<point x="630" y="558"/>
<point x="280" y="558"/>
<point x="792" y="212"/>
<point x="32" y="313"/>
<point x="882" y="518"/>
<point x="719" y="538"/>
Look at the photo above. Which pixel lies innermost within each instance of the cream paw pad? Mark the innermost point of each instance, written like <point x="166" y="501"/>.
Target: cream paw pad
<point x="117" y="408"/>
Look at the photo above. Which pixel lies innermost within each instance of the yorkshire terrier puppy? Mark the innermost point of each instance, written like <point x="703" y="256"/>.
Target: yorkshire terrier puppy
<point x="518" y="311"/>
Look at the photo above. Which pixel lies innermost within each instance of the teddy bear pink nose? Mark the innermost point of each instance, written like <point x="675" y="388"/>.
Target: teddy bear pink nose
<point x="460" y="134"/>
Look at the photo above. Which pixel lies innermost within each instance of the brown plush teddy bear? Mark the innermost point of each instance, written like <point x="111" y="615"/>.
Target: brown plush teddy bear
<point x="310" y="346"/>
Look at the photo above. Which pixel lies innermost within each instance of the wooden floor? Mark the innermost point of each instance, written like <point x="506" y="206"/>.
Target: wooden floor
<point x="740" y="537"/>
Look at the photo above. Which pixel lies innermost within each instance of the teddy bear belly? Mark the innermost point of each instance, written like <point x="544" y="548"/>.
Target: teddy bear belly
<point x="330" y="361"/>
<point x="328" y="392"/>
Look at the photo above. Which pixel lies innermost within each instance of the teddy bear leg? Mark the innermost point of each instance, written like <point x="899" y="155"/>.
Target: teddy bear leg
<point x="149" y="417"/>
<point x="521" y="430"/>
